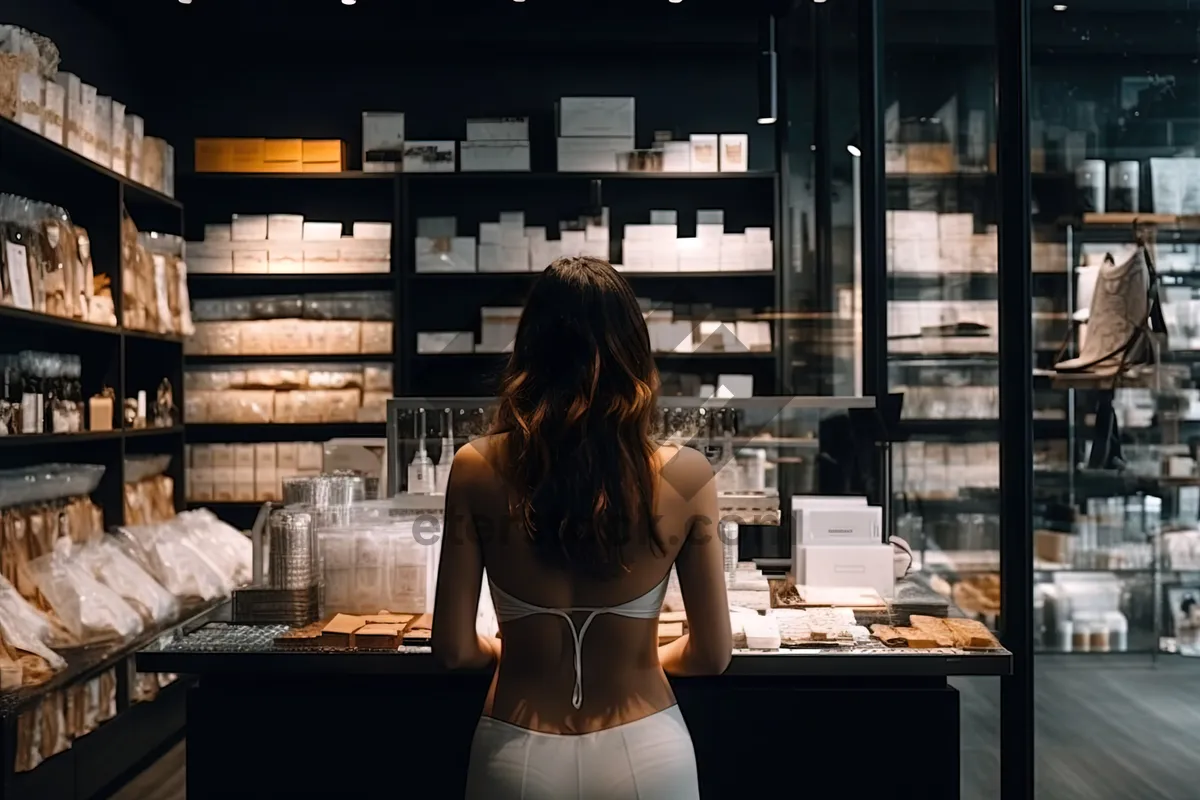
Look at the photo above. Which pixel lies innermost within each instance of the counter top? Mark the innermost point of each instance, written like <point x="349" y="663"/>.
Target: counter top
<point x="229" y="650"/>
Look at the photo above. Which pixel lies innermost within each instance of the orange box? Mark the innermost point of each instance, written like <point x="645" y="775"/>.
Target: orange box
<point x="284" y="150"/>
<point x="283" y="166"/>
<point x="214" y="155"/>
<point x="331" y="166"/>
<point x="325" y="151"/>
<point x="248" y="154"/>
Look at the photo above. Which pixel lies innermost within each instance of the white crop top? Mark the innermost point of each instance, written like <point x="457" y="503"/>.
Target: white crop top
<point x="648" y="606"/>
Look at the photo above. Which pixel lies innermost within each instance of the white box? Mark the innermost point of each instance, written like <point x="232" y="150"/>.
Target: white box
<point x="31" y="101"/>
<point x="495" y="156"/>
<point x="249" y="228"/>
<point x="848" y="525"/>
<point x="735" y="386"/>
<point x="210" y="266"/>
<point x="72" y="135"/>
<point x="446" y="254"/>
<point x="573" y="243"/>
<point x="207" y="249"/>
<point x="285" y="227"/>
<point x="286" y="259"/>
<point x="251" y="261"/>
<point x="218" y="232"/>
<point x="430" y="156"/>
<point x="445" y="342"/>
<point x="544" y="253"/>
<point x="664" y="216"/>
<point x="596" y="116"/>
<point x="512" y="220"/>
<point x="914" y="225"/>
<point x="322" y="257"/>
<point x="735" y="152"/>
<point x="135" y="130"/>
<point x="705" y="152"/>
<point x="322" y="231"/>
<point x="55" y="114"/>
<point x="956" y="226"/>
<point x="87" y="120"/>
<point x="116" y="139"/>
<point x="103" y="131"/>
<point x="594" y="154"/>
<point x="489" y="233"/>
<point x="373" y="231"/>
<point x="498" y="129"/>
<point x="677" y="156"/>
<point x="383" y="141"/>
<point x="845" y="566"/>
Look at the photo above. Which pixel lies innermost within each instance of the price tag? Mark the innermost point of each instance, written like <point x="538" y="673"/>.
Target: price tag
<point x="18" y="275"/>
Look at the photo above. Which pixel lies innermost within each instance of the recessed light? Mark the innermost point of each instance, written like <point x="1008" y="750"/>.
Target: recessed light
<point x="1060" y="7"/>
<point x="675" y="2"/>
<point x="186" y="2"/>
<point x="349" y="2"/>
<point x="853" y="150"/>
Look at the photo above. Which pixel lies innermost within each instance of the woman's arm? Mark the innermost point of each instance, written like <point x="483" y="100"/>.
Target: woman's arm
<point x="708" y="646"/>
<point x="456" y="644"/>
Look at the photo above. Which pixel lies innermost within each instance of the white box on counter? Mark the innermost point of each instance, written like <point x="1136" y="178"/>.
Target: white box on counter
<point x="596" y="116"/>
<point x="498" y="129"/>
<point x="593" y="154"/>
<point x="322" y="231"/>
<point x="845" y="566"/>
<point x="846" y="525"/>
<point x="249" y="228"/>
<point x="494" y="156"/>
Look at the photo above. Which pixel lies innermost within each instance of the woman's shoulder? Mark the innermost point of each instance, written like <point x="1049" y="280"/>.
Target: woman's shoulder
<point x="684" y="468"/>
<point x="479" y="459"/>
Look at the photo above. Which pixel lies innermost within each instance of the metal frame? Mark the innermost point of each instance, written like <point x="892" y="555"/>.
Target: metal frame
<point x="1016" y="397"/>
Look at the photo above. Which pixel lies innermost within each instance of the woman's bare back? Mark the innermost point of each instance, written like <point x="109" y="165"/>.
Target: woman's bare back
<point x="622" y="678"/>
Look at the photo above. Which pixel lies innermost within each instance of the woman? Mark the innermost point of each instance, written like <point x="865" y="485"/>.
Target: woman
<point x="578" y="517"/>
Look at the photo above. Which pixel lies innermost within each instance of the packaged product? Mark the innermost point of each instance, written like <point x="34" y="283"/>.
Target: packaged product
<point x="90" y="610"/>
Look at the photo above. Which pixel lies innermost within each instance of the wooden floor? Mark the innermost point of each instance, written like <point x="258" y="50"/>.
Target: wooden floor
<point x="1107" y="729"/>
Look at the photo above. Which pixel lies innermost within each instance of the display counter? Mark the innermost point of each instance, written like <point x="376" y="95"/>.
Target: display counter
<point x="267" y="720"/>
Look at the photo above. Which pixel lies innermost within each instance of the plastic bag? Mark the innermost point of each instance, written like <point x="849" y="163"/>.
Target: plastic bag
<point x="162" y="551"/>
<point x="228" y="548"/>
<point x="116" y="570"/>
<point x="90" y="610"/>
<point x="24" y="628"/>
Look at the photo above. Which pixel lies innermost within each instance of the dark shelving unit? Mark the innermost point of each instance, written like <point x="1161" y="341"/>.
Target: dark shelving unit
<point x="127" y="361"/>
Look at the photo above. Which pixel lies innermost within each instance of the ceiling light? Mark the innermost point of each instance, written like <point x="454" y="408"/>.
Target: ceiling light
<point x="676" y="2"/>
<point x="853" y="150"/>
<point x="1060" y="7"/>
<point x="186" y="2"/>
<point x="349" y="2"/>
<point x="768" y="73"/>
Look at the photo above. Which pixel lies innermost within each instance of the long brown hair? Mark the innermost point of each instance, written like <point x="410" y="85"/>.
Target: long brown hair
<point x="577" y="403"/>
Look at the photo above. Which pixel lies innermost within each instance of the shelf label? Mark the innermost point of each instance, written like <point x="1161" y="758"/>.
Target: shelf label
<point x="18" y="275"/>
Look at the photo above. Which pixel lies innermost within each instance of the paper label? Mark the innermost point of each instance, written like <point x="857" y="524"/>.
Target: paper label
<point x="18" y="275"/>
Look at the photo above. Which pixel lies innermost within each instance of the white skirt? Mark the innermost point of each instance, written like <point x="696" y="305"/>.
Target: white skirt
<point x="650" y="759"/>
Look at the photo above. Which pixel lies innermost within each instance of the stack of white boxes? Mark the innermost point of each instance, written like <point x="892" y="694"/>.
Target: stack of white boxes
<point x="504" y="245"/>
<point x="439" y="248"/>
<point x="495" y="144"/>
<point x="657" y="247"/>
<point x="838" y="542"/>
<point x="383" y="141"/>
<point x="498" y="329"/>
<point x="939" y="470"/>
<point x="288" y="244"/>
<point x="582" y="237"/>
<point x="226" y="473"/>
<point x="929" y="243"/>
<point x="593" y="132"/>
<point x="671" y="335"/>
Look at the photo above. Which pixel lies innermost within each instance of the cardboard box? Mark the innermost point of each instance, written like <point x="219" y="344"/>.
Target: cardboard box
<point x="376" y="338"/>
<point x="243" y="484"/>
<point x="328" y="153"/>
<point x="596" y="116"/>
<point x="248" y="154"/>
<point x="249" y="228"/>
<point x="322" y="231"/>
<point x="330" y="167"/>
<point x="339" y="631"/>
<point x="285" y="260"/>
<point x="254" y="262"/>
<point x="286" y="454"/>
<point x="495" y="156"/>
<point x="265" y="456"/>
<point x="283" y="150"/>
<point x="214" y="155"/>
<point x="222" y="455"/>
<point x="266" y="484"/>
<point x="243" y="455"/>
<point x="373" y="231"/>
